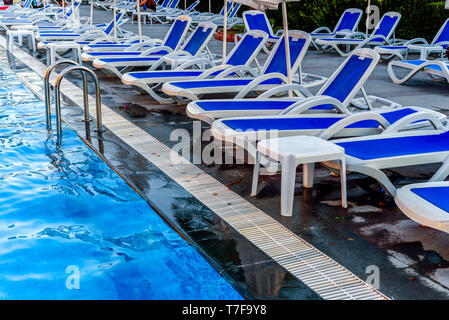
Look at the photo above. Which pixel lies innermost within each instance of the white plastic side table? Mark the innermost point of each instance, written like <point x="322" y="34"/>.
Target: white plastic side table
<point x="425" y="49"/>
<point x="20" y="34"/>
<point x="293" y="151"/>
<point x="54" y="46"/>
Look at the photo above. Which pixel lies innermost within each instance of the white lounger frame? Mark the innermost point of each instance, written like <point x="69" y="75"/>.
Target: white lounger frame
<point x="111" y="68"/>
<point x="196" y="112"/>
<point x="403" y="53"/>
<point x="184" y="95"/>
<point x="141" y="47"/>
<point x="364" y="39"/>
<point x="144" y="84"/>
<point x="421" y="210"/>
<point x="435" y="75"/>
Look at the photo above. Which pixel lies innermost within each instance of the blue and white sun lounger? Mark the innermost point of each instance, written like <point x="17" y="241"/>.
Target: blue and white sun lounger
<point x="208" y="16"/>
<point x="92" y="34"/>
<point x="381" y="35"/>
<point x="441" y="39"/>
<point x="193" y="47"/>
<point x="172" y="41"/>
<point x="436" y="69"/>
<point x="343" y="85"/>
<point x="258" y="20"/>
<point x="426" y="203"/>
<point x="395" y="148"/>
<point x="238" y="61"/>
<point x="347" y="24"/>
<point x="245" y="132"/>
<point x="273" y="74"/>
<point x="190" y="10"/>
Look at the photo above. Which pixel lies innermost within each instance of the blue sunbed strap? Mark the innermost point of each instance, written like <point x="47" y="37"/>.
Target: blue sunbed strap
<point x="394" y="147"/>
<point x="349" y="20"/>
<point x="245" y="48"/>
<point x="277" y="64"/>
<point x="176" y="32"/>
<point x="351" y="73"/>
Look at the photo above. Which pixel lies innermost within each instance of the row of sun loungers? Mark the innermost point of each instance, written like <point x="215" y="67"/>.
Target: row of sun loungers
<point x="181" y="69"/>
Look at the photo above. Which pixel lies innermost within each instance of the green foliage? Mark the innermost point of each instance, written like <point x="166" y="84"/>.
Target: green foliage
<point x="420" y="18"/>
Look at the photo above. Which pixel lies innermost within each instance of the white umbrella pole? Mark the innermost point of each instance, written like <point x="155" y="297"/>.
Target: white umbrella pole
<point x="367" y="16"/>
<point x="225" y="27"/>
<point x="115" y="20"/>
<point x="91" y="11"/>
<point x="139" y="23"/>
<point x="210" y="6"/>
<point x="287" y="45"/>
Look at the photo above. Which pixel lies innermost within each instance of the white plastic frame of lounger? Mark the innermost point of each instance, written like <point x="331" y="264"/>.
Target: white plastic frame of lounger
<point x="195" y="111"/>
<point x="144" y="84"/>
<point x="349" y="39"/>
<point x="373" y="167"/>
<point x="111" y="68"/>
<point x="435" y="75"/>
<point x="421" y="210"/>
<point x="177" y="93"/>
<point x="385" y="51"/>
<point x="331" y="34"/>
<point x="248" y="139"/>
<point x="86" y="56"/>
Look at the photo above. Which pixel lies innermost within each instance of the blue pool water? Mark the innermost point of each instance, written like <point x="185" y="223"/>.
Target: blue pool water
<point x="64" y="211"/>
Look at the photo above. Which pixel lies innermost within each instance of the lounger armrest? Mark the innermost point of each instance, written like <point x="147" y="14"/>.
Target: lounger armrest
<point x="212" y="70"/>
<point x="416" y="40"/>
<point x="441" y="43"/>
<point x="309" y="103"/>
<point x="138" y="46"/>
<point x="356" y="34"/>
<point x="322" y="29"/>
<point x="254" y="83"/>
<point x="197" y="61"/>
<point x="343" y="123"/>
<point x="149" y="51"/>
<point x="240" y="70"/>
<point x="404" y="122"/>
<point x="279" y="33"/>
<point x="299" y="89"/>
<point x="91" y="33"/>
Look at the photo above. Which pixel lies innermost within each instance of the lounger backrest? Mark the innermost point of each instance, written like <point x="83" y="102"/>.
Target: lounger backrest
<point x="234" y="10"/>
<point x="223" y="9"/>
<point x="257" y="20"/>
<point x="349" y="20"/>
<point x="110" y="26"/>
<point x="70" y="12"/>
<point x="347" y="80"/>
<point x="27" y="4"/>
<point x="193" y="6"/>
<point x="199" y="38"/>
<point x="177" y="32"/>
<point x="276" y="62"/>
<point x="387" y="24"/>
<point x="165" y="3"/>
<point x="247" y="49"/>
<point x="443" y="33"/>
<point x="174" y="4"/>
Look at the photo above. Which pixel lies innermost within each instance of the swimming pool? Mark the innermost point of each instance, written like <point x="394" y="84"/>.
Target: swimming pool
<point x="71" y="228"/>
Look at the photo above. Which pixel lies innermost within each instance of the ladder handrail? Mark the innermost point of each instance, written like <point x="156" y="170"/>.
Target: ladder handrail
<point x="58" y="81"/>
<point x="47" y="74"/>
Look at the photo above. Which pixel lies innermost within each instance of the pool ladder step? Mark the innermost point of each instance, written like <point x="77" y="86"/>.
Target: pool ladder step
<point x="84" y="72"/>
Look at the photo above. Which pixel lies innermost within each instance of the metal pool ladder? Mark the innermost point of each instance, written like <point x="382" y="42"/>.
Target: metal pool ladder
<point x="74" y="66"/>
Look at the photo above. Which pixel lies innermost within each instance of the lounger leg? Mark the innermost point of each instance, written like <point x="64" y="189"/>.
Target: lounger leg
<point x="344" y="196"/>
<point x="288" y="185"/>
<point x="256" y="172"/>
<point x="308" y="174"/>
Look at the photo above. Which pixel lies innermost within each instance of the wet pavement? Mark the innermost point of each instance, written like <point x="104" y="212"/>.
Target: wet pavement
<point x="412" y="260"/>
